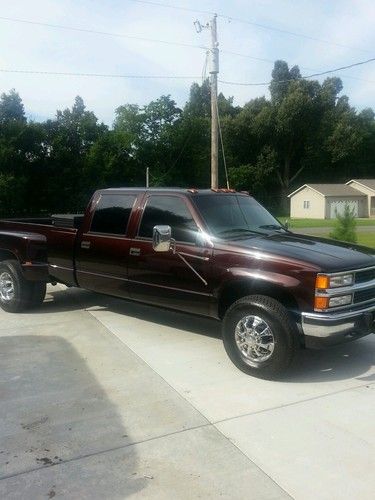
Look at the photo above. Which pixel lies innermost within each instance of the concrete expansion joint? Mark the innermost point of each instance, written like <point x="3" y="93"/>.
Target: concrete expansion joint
<point x="293" y="403"/>
<point x="108" y="450"/>
<point x="207" y="425"/>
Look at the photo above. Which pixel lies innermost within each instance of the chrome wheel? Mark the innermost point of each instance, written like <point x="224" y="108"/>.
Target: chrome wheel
<point x="6" y="287"/>
<point x="254" y="339"/>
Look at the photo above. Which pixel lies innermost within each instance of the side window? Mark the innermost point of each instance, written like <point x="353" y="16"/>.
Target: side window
<point x="112" y="214"/>
<point x="171" y="211"/>
<point x="306" y="204"/>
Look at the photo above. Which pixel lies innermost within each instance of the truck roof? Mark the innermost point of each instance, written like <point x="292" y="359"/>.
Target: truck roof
<point x="188" y="191"/>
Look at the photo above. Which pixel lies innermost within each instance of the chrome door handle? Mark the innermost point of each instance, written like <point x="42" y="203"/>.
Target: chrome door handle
<point x="85" y="244"/>
<point x="136" y="252"/>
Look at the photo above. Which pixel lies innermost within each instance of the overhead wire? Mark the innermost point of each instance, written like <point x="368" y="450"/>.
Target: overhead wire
<point x="222" y="145"/>
<point x="176" y="7"/>
<point x="272" y="61"/>
<point x="99" y="75"/>
<point x="252" y="84"/>
<point x="104" y="33"/>
<point x="165" y="42"/>
<point x="191" y="129"/>
<point x="179" y="77"/>
<point x="251" y="23"/>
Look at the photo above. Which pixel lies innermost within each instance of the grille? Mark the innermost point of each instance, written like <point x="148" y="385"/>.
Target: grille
<point x="363" y="276"/>
<point x="364" y="295"/>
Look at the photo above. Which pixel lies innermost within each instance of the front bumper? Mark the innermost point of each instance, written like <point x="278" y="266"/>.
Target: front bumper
<point x="322" y="329"/>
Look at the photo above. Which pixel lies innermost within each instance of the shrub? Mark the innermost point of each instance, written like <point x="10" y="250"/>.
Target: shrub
<point x="345" y="227"/>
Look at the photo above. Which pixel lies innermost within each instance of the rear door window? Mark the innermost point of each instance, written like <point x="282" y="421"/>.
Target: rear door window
<point x="112" y="214"/>
<point x="171" y="211"/>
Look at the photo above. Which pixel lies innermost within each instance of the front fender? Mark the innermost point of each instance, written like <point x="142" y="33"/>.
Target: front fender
<point x="264" y="276"/>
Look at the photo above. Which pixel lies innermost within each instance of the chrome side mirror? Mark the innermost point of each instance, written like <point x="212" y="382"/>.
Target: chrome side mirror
<point x="162" y="238"/>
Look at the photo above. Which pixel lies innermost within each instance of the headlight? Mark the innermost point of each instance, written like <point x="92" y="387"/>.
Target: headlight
<point x="325" y="298"/>
<point x="324" y="281"/>
<point x="342" y="300"/>
<point x="341" y="280"/>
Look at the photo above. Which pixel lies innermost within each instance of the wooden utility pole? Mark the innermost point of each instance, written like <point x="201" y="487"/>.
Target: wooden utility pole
<point x="214" y="70"/>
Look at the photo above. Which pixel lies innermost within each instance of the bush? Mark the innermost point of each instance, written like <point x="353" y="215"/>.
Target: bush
<point x="345" y="227"/>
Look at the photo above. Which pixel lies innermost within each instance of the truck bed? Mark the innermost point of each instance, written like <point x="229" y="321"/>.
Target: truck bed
<point x="44" y="240"/>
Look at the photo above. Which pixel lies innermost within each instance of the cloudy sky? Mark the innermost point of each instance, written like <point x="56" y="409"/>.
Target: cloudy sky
<point x="347" y="24"/>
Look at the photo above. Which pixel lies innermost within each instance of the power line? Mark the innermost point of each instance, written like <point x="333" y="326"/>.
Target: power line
<point x="100" y="75"/>
<point x="174" y="77"/>
<point x="253" y="23"/>
<point x="272" y="61"/>
<point x="302" y="77"/>
<point x="176" y="7"/>
<point x="152" y="40"/>
<point x="222" y="146"/>
<point x="104" y="33"/>
<point x="292" y="33"/>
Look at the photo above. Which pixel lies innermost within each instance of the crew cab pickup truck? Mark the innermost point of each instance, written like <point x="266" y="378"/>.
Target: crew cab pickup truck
<point x="214" y="253"/>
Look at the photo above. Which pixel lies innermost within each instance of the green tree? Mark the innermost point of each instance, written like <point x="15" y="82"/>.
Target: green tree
<point x="11" y="108"/>
<point x="345" y="226"/>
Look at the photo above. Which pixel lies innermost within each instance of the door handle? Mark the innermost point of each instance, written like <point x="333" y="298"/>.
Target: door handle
<point x="85" y="244"/>
<point x="136" y="252"/>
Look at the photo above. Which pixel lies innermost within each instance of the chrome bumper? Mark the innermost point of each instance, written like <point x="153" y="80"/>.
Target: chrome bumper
<point x="333" y="328"/>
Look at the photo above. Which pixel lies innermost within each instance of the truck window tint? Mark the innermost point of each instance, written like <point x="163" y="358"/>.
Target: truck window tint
<point x="170" y="211"/>
<point x="112" y="214"/>
<point x="225" y="214"/>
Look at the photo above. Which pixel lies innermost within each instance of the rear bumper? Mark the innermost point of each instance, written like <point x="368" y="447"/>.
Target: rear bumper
<point x="323" y="329"/>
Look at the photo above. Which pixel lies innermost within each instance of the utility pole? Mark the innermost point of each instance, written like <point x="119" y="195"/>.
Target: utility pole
<point x="147" y="177"/>
<point x="214" y="70"/>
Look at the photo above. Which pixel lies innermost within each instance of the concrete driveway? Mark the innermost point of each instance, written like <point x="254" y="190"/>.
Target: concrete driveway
<point x="102" y="398"/>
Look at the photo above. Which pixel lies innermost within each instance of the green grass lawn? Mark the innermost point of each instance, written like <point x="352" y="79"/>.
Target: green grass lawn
<point x="298" y="223"/>
<point x="366" y="239"/>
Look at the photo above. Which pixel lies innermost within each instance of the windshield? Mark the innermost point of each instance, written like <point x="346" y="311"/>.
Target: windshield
<point x="229" y="216"/>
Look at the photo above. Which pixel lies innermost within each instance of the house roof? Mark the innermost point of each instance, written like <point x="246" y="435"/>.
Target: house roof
<point x="369" y="183"/>
<point x="330" y="190"/>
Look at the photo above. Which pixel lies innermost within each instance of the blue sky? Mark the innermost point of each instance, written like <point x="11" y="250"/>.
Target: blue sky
<point x="350" y="23"/>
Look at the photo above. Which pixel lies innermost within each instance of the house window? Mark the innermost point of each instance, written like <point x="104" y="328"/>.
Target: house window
<point x="306" y="204"/>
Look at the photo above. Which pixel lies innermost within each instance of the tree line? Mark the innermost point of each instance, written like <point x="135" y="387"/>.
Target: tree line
<point x="305" y="132"/>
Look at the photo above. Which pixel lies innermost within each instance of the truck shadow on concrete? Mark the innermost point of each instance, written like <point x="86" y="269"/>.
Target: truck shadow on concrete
<point x="346" y="361"/>
<point x="60" y="434"/>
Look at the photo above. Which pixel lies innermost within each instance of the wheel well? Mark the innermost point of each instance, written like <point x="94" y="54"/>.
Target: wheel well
<point x="238" y="289"/>
<point x="7" y="255"/>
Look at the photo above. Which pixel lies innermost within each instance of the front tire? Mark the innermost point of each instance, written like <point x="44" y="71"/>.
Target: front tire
<point x="16" y="293"/>
<point x="259" y="336"/>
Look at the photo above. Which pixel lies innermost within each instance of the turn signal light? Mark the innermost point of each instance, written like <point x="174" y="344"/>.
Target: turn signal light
<point x="321" y="303"/>
<point x="322" y="281"/>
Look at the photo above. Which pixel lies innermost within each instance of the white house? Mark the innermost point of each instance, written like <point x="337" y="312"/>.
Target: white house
<point x="366" y="186"/>
<point x="324" y="201"/>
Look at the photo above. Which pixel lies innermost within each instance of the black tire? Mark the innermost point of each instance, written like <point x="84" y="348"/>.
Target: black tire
<point x="283" y="337"/>
<point x="24" y="294"/>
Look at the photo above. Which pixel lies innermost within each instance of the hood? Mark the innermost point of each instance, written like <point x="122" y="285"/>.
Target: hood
<point x="328" y="255"/>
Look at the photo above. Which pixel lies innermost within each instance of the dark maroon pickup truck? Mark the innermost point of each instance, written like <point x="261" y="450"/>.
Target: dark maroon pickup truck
<point x="213" y="253"/>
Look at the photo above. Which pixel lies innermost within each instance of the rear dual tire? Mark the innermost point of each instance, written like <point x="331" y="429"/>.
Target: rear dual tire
<point x="16" y="293"/>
